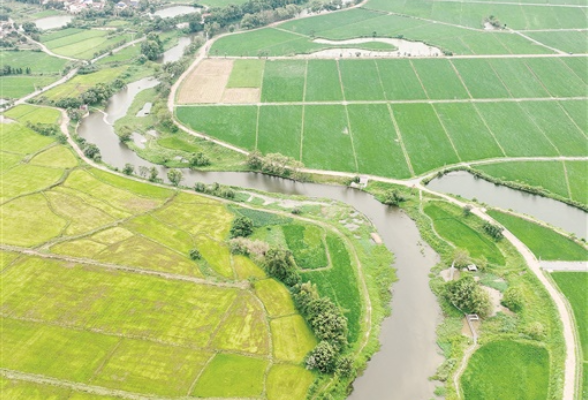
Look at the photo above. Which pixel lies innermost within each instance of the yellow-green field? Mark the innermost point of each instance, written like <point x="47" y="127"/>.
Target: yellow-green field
<point x="98" y="289"/>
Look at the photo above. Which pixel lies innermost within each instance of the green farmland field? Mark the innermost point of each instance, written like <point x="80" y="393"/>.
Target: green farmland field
<point x="82" y="43"/>
<point x="507" y="370"/>
<point x="80" y="83"/>
<point x="128" y="310"/>
<point x="13" y="87"/>
<point x="543" y="242"/>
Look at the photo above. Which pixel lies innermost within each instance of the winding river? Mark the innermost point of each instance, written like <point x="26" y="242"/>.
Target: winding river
<point x="409" y="354"/>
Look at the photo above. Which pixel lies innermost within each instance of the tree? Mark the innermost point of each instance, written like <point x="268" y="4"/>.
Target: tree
<point x="242" y="226"/>
<point x="125" y="134"/>
<point x="513" y="298"/>
<point x="199" y="160"/>
<point x="92" y="151"/>
<point x="493" y="230"/>
<point x="143" y="171"/>
<point x="175" y="176"/>
<point x="152" y="48"/>
<point x="393" y="197"/>
<point x="280" y="264"/>
<point x="254" y="160"/>
<point x="129" y="169"/>
<point x="467" y="210"/>
<point x="322" y="358"/>
<point x="195" y="254"/>
<point x="466" y="295"/>
<point x="461" y="257"/>
<point x="153" y="174"/>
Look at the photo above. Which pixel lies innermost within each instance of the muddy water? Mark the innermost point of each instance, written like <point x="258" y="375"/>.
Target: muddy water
<point x="556" y="213"/>
<point x="56" y="21"/>
<point x="409" y="354"/>
<point x="174" y="11"/>
<point x="176" y="52"/>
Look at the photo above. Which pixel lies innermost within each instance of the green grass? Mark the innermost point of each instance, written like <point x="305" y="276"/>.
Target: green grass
<point x="480" y="79"/>
<point x="280" y="129"/>
<point x="230" y="375"/>
<point x="454" y="228"/>
<point x="81" y="83"/>
<point x="507" y="370"/>
<point x="28" y="113"/>
<point x="578" y="178"/>
<point x="16" y="86"/>
<point x="327" y="22"/>
<point x="469" y="134"/>
<point x="261" y="218"/>
<point x="515" y="131"/>
<point x="361" y="80"/>
<point x="557" y="78"/>
<point x="246" y="74"/>
<point x="307" y="245"/>
<point x="283" y="81"/>
<point x="275" y="298"/>
<point x="326" y="142"/>
<point x="285" y="331"/>
<point x="340" y="284"/>
<point x="37" y="61"/>
<point x="375" y="141"/>
<point x="549" y="175"/>
<point x="543" y="242"/>
<point x="169" y="372"/>
<point x="573" y="286"/>
<point x="322" y="81"/>
<point x="577" y="112"/>
<point x="232" y="124"/>
<point x="426" y="142"/>
<point x="439" y="79"/>
<point x="399" y="80"/>
<point x="16" y="138"/>
<point x="288" y="382"/>
<point x="125" y="55"/>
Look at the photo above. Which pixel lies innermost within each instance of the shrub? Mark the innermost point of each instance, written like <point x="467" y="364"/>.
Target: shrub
<point x="195" y="254"/>
<point x="242" y="226"/>
<point x="323" y="358"/>
<point x="513" y="298"/>
<point x="466" y="295"/>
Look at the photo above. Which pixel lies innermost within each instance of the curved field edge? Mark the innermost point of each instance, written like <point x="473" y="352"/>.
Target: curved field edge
<point x="377" y="262"/>
<point x="537" y="322"/>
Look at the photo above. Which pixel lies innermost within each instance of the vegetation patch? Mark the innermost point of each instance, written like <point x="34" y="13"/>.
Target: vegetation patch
<point x="275" y="297"/>
<point x="307" y="245"/>
<point x="545" y="243"/>
<point x="507" y="370"/>
<point x="287" y="330"/>
<point x="573" y="286"/>
<point x="246" y="74"/>
<point x="288" y="382"/>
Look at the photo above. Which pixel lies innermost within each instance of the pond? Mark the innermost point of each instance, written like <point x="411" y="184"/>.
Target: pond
<point x="54" y="22"/>
<point x="174" y="11"/>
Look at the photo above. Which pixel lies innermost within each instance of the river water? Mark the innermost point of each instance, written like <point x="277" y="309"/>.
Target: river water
<point x="409" y="354"/>
<point x="174" y="11"/>
<point x="568" y="218"/>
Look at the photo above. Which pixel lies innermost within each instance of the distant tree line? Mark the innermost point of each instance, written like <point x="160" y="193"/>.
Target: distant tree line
<point x="8" y="70"/>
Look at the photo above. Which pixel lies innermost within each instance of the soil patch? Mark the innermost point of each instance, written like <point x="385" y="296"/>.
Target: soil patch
<point x="241" y="96"/>
<point x="207" y="83"/>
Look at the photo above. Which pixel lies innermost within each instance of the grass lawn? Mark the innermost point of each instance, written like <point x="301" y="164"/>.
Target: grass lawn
<point x="573" y="286"/>
<point x="283" y="81"/>
<point x="246" y="74"/>
<point x="16" y="86"/>
<point x="543" y="242"/>
<point x="376" y="143"/>
<point x="231" y="375"/>
<point x="307" y="245"/>
<point x="80" y="83"/>
<point x="28" y="113"/>
<point x="287" y="330"/>
<point x="37" y="61"/>
<point x="546" y="174"/>
<point x="322" y="81"/>
<point x="288" y="382"/>
<point x="426" y="142"/>
<point x="232" y="124"/>
<point x="507" y="370"/>
<point x="469" y="134"/>
<point x="453" y="227"/>
<point x="279" y="130"/>
<point x="326" y="141"/>
<point x="275" y="298"/>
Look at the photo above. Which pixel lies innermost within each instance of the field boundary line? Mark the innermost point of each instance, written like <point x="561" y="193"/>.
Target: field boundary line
<point x="124" y="268"/>
<point x="105" y="360"/>
<point x="538" y="79"/>
<point x="446" y="133"/>
<point x="457" y="73"/>
<point x="303" y="111"/>
<point x="349" y="130"/>
<point x="506" y="3"/>
<point x="224" y="319"/>
<point x="420" y="81"/>
<point x="401" y="141"/>
<point x="572" y="120"/>
<point x="199" y="374"/>
<point x="500" y="79"/>
<point x="257" y="126"/>
<point x="489" y="129"/>
<point x="532" y="119"/>
<point x="573" y="72"/>
<point x="565" y="168"/>
<point x="536" y="41"/>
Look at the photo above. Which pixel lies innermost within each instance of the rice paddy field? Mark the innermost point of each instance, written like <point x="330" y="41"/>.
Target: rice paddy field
<point x="307" y="106"/>
<point x="83" y="44"/>
<point x="99" y="290"/>
<point x="101" y="298"/>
